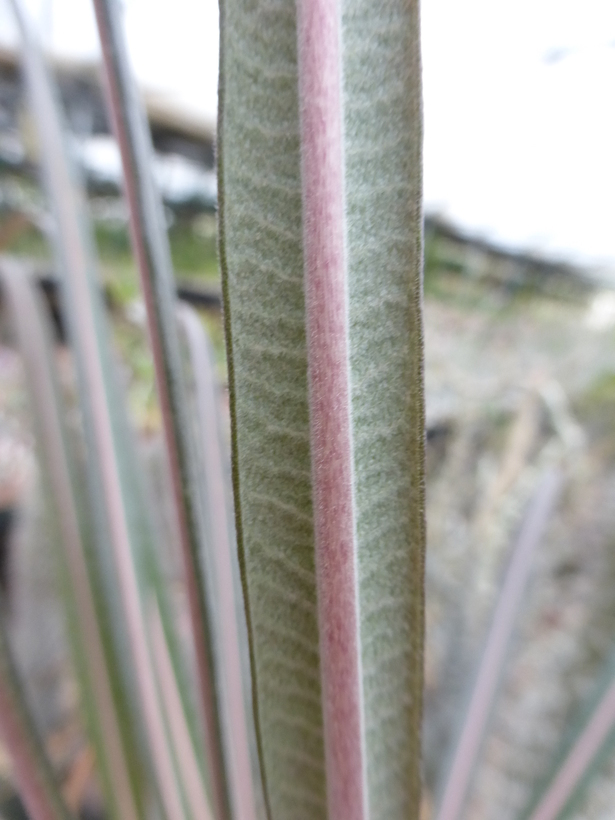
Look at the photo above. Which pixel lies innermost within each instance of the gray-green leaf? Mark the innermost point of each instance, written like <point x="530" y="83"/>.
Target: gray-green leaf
<point x="261" y="239"/>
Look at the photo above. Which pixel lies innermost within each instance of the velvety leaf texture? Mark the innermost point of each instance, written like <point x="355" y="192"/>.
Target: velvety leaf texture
<point x="382" y="108"/>
<point x="261" y="237"/>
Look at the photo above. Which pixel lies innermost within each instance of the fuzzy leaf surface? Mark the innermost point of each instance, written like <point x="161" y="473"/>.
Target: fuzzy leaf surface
<point x="261" y="236"/>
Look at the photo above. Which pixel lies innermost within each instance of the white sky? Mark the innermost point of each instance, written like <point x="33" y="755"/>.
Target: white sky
<point x="173" y="43"/>
<point x="518" y="148"/>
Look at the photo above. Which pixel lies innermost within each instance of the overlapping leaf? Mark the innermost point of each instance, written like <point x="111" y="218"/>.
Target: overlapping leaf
<point x="125" y="542"/>
<point x="197" y="484"/>
<point x="70" y="518"/>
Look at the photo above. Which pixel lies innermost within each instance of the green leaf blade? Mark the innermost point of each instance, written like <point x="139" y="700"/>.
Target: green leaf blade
<point x="262" y="261"/>
<point x="69" y="517"/>
<point x="35" y="782"/>
<point x="124" y="535"/>
<point x="262" y="225"/>
<point x="383" y="130"/>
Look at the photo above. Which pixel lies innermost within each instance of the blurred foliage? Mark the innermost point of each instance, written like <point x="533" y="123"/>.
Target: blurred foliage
<point x="194" y="256"/>
<point x="193" y="251"/>
<point x="595" y="408"/>
<point x="28" y="242"/>
<point x="475" y="276"/>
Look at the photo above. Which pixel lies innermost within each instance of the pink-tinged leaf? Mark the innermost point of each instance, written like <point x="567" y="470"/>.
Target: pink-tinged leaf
<point x="189" y="771"/>
<point x="237" y="718"/>
<point x="34" y="341"/>
<point x="153" y="257"/>
<point x="114" y="481"/>
<point x="319" y="180"/>
<point x="494" y="655"/>
<point x="33" y="775"/>
<point x="584" y="753"/>
<point x="31" y="770"/>
<point x="326" y="284"/>
<point x="575" y="765"/>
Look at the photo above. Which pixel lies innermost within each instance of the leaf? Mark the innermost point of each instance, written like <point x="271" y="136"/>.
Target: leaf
<point x="263" y="207"/>
<point x="71" y="519"/>
<point x="207" y="575"/>
<point x="585" y="749"/>
<point x="123" y="527"/>
<point x="214" y="483"/>
<point x="495" y="653"/>
<point x="182" y="740"/>
<point x="31" y="769"/>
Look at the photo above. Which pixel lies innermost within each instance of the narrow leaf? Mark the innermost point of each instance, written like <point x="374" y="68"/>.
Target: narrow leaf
<point x="153" y="256"/>
<point x="271" y="230"/>
<point x="494" y="655"/>
<point x="33" y="775"/>
<point x="84" y="616"/>
<point x="229" y="604"/>
<point x="175" y="682"/>
<point x="190" y="773"/>
<point x="584" y="753"/>
<point x="115" y="483"/>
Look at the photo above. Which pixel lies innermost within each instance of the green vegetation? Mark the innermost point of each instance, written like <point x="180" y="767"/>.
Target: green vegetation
<point x="193" y="251"/>
<point x="595" y="408"/>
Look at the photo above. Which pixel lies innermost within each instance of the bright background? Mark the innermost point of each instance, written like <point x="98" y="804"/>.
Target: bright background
<point x="519" y="106"/>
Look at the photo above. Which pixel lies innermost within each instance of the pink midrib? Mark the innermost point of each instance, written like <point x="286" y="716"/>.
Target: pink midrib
<point x="320" y="94"/>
